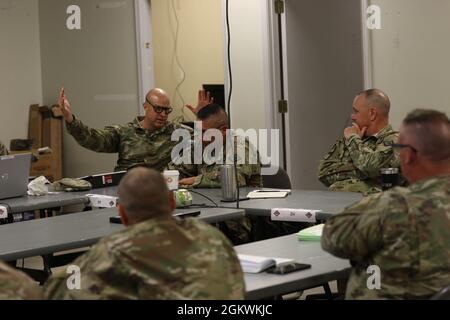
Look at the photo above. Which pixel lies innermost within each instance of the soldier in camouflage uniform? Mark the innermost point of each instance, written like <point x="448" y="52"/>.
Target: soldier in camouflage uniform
<point x="3" y="150"/>
<point x="354" y="162"/>
<point x="144" y="142"/>
<point x="404" y="231"/>
<point x="15" y="285"/>
<point x="205" y="175"/>
<point x="156" y="256"/>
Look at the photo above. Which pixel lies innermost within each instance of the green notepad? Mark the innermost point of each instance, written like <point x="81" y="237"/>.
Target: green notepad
<point x="311" y="234"/>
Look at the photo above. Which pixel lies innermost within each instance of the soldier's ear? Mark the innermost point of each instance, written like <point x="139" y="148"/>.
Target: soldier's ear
<point x="373" y="112"/>
<point x="123" y="215"/>
<point x="172" y="202"/>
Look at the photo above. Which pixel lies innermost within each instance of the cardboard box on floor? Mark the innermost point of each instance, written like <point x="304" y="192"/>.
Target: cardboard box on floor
<point x="45" y="128"/>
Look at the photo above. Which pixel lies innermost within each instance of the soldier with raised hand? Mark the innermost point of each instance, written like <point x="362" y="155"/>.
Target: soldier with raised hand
<point x="15" y="285"/>
<point x="156" y="256"/>
<point x="3" y="150"/>
<point x="354" y="162"/>
<point x="144" y="142"/>
<point x="404" y="231"/>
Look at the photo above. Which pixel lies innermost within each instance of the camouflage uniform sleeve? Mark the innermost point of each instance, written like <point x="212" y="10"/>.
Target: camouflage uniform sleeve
<point x="247" y="176"/>
<point x="186" y="170"/>
<point x="248" y="168"/>
<point x="333" y="164"/>
<point x="98" y="268"/>
<point x="370" y="161"/>
<point x="99" y="140"/>
<point x="357" y="232"/>
<point x="3" y="150"/>
<point x="15" y="285"/>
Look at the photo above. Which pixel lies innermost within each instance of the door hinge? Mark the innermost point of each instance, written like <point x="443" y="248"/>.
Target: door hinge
<point x="282" y="106"/>
<point x="279" y="6"/>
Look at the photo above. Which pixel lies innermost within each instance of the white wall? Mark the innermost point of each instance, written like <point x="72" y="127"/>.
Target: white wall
<point x="410" y="55"/>
<point x="20" y="65"/>
<point x="248" y="23"/>
<point x="199" y="48"/>
<point x="98" y="67"/>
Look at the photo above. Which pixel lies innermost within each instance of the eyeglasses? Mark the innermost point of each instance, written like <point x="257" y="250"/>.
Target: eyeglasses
<point x="399" y="146"/>
<point x="160" y="109"/>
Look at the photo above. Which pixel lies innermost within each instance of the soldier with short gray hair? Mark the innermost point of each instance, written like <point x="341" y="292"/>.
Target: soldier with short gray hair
<point x="404" y="231"/>
<point x="354" y="161"/>
<point x="156" y="256"/>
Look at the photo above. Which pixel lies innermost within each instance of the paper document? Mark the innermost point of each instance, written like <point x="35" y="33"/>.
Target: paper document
<point x="268" y="193"/>
<point x="311" y="234"/>
<point x="256" y="264"/>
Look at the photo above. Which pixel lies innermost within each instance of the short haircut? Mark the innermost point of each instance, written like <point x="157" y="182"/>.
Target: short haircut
<point x="210" y="110"/>
<point x="378" y="99"/>
<point x="144" y="194"/>
<point x="430" y="131"/>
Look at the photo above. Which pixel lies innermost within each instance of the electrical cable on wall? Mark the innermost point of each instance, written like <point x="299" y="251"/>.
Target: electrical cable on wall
<point x="230" y="74"/>
<point x="230" y="92"/>
<point x="177" y="60"/>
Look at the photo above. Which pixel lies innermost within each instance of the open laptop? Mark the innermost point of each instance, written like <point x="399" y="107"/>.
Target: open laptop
<point x="14" y="173"/>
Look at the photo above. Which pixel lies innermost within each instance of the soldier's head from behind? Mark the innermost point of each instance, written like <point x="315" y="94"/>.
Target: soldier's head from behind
<point x="143" y="194"/>
<point x="424" y="145"/>
<point x="371" y="110"/>
<point x="157" y="108"/>
<point x="213" y="116"/>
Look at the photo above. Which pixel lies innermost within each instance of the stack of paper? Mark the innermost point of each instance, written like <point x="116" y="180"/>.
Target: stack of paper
<point x="311" y="234"/>
<point x="256" y="264"/>
<point x="268" y="193"/>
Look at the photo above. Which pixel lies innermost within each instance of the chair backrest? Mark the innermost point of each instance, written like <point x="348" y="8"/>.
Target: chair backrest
<point x="444" y="294"/>
<point x="279" y="180"/>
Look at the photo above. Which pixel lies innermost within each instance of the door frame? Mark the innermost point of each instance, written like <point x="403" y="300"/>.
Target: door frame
<point x="143" y="21"/>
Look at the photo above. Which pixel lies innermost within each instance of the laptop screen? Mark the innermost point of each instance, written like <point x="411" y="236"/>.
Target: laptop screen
<point x="14" y="174"/>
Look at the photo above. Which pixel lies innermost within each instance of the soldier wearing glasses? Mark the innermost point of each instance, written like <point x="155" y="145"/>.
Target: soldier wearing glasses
<point x="145" y="141"/>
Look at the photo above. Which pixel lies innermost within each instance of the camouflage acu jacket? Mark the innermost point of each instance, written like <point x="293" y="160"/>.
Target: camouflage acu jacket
<point x="354" y="164"/>
<point x="160" y="258"/>
<point x="135" y="145"/>
<point x="208" y="175"/>
<point x="15" y="285"/>
<point x="3" y="150"/>
<point x="405" y="232"/>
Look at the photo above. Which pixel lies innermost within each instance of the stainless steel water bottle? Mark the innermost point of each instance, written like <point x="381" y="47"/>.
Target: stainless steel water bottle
<point x="228" y="178"/>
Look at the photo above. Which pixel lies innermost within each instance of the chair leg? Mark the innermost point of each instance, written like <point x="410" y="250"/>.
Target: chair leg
<point x="327" y="295"/>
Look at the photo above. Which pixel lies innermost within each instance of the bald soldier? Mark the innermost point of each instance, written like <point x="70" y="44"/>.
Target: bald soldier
<point x="354" y="162"/>
<point x="156" y="256"/>
<point x="146" y="141"/>
<point x="15" y="285"/>
<point x="405" y="231"/>
<point x="3" y="150"/>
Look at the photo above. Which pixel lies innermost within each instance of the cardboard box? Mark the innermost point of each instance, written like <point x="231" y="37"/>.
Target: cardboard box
<point x="35" y="126"/>
<point x="45" y="166"/>
<point x="45" y="128"/>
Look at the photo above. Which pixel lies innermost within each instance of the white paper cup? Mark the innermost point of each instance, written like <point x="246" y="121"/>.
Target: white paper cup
<point x="171" y="177"/>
